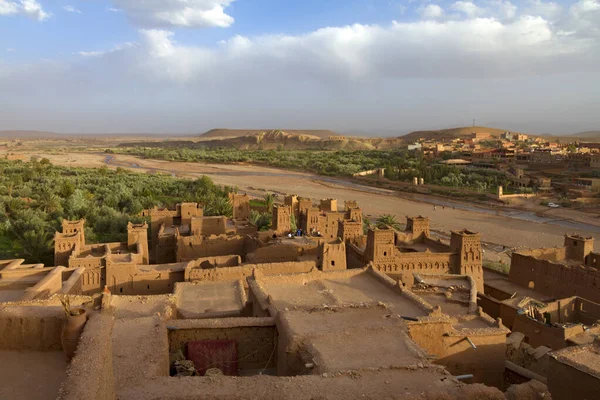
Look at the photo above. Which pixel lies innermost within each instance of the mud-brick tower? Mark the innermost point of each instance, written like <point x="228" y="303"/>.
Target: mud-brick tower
<point x="417" y="226"/>
<point x="380" y="245"/>
<point x="138" y="234"/>
<point x="578" y="247"/>
<point x="241" y="205"/>
<point x="333" y="256"/>
<point x="468" y="257"/>
<point x="65" y="243"/>
<point x="281" y="222"/>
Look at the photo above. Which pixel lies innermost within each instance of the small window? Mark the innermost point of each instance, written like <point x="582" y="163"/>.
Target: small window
<point x="385" y="253"/>
<point x="332" y="263"/>
<point x="148" y="286"/>
<point x="121" y="290"/>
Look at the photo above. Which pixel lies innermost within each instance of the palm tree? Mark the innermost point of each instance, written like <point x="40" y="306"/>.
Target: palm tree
<point x="262" y="221"/>
<point x="49" y="202"/>
<point x="36" y="246"/>
<point x="386" y="220"/>
<point x="269" y="200"/>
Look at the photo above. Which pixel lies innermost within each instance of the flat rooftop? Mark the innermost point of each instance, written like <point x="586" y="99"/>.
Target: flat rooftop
<point x="336" y="289"/>
<point x="205" y="299"/>
<point x="584" y="358"/>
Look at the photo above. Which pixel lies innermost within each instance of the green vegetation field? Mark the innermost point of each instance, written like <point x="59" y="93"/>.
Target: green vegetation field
<point x="400" y="165"/>
<point x="36" y="196"/>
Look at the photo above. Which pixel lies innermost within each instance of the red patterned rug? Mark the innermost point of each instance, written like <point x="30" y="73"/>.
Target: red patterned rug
<point x="221" y="354"/>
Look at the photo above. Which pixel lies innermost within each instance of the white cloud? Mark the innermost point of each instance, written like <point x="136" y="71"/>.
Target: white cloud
<point x="112" y="9"/>
<point x="548" y="10"/>
<point x="585" y="6"/>
<point x="177" y="13"/>
<point x="29" y="8"/>
<point x="528" y="65"/>
<point x="71" y="9"/>
<point x="11" y="50"/>
<point x="115" y="49"/>
<point x="432" y="11"/>
<point x="469" y="9"/>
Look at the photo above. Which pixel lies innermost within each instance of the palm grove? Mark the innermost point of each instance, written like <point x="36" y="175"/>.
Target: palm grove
<point x="35" y="196"/>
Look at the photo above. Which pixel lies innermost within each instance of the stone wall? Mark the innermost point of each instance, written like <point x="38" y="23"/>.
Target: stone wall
<point x="256" y="338"/>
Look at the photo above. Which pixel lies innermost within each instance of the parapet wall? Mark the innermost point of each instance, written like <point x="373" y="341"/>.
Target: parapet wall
<point x="244" y="271"/>
<point x="31" y="328"/>
<point x="90" y="374"/>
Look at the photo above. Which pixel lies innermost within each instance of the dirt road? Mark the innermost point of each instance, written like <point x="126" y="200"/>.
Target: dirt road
<point x="509" y="229"/>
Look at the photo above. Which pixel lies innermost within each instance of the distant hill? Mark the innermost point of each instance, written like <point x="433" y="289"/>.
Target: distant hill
<point x="234" y="133"/>
<point x="273" y="140"/>
<point x="28" y="134"/>
<point x="452" y="133"/>
<point x="587" y="134"/>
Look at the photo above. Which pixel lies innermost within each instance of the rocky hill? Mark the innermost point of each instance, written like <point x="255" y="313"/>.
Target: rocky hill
<point x="452" y="133"/>
<point x="234" y="133"/>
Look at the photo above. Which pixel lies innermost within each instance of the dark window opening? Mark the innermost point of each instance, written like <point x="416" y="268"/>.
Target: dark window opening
<point x="332" y="263"/>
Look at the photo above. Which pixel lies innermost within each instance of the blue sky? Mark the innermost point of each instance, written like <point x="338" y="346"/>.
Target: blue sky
<point x="378" y="66"/>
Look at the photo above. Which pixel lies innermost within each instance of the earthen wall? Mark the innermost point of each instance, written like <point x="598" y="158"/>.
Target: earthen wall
<point x="554" y="279"/>
<point x="244" y="271"/>
<point x="90" y="373"/>
<point x="256" y="343"/>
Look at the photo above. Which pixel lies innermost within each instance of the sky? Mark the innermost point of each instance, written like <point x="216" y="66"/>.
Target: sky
<point x="369" y="66"/>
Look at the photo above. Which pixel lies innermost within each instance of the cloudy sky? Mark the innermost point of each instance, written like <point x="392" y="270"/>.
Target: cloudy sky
<point x="184" y="66"/>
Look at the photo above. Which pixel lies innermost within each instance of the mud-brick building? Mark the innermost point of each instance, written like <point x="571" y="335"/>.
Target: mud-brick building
<point x="571" y="270"/>
<point x="325" y="218"/>
<point x="70" y="250"/>
<point x="400" y="254"/>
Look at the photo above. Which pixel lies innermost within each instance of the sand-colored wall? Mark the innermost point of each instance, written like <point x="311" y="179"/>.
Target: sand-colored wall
<point x="244" y="271"/>
<point x="191" y="248"/>
<point x="211" y="262"/>
<point x="256" y="338"/>
<point x="486" y="363"/>
<point x="540" y="334"/>
<point x="90" y="374"/>
<point x="133" y="279"/>
<point x="31" y="328"/>
<point x="47" y="286"/>
<point x="554" y="279"/>
<point x="568" y="383"/>
<point x="275" y="253"/>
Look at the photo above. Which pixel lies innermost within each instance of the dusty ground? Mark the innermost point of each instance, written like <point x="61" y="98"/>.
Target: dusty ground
<point x="256" y="180"/>
<point x="31" y="375"/>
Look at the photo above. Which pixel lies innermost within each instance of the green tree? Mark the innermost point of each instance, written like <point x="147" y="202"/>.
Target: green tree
<point x="36" y="246"/>
<point x="269" y="201"/>
<point x="386" y="220"/>
<point x="49" y="202"/>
